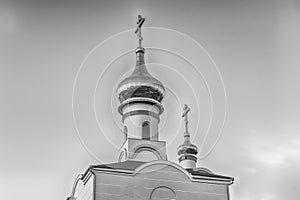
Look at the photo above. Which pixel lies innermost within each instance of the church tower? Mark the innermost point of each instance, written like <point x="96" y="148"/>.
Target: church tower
<point x="140" y="97"/>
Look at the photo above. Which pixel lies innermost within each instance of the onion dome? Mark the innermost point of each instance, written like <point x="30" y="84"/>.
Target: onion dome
<point x="140" y="84"/>
<point x="187" y="147"/>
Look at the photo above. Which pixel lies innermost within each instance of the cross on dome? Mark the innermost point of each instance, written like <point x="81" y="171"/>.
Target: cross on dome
<point x="186" y="110"/>
<point x="138" y="30"/>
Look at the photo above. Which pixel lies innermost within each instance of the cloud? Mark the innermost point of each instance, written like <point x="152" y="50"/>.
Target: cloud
<point x="268" y="166"/>
<point x="277" y="151"/>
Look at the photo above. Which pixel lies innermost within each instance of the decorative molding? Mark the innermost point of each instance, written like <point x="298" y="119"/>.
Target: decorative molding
<point x="149" y="148"/>
<point x="123" y="154"/>
<point x="162" y="162"/>
<point x="138" y="100"/>
<point x="140" y="112"/>
<point x="187" y="157"/>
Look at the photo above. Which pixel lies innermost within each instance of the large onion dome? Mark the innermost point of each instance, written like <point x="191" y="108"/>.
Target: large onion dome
<point x="140" y="84"/>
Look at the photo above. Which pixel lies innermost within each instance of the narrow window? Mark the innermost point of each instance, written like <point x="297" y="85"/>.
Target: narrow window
<point x="125" y="133"/>
<point x="146" y="130"/>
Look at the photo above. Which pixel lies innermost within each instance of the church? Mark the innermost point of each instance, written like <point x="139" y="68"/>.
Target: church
<point x="142" y="170"/>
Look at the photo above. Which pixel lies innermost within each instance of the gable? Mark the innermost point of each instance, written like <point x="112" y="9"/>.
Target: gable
<point x="153" y="180"/>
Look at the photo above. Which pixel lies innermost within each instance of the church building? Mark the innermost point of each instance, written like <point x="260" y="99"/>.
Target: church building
<point x="142" y="170"/>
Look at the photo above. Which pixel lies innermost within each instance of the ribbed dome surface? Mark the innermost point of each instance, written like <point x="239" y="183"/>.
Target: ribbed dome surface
<point x="140" y="83"/>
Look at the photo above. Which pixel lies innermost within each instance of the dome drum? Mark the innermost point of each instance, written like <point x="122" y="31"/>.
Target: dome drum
<point x="187" y="157"/>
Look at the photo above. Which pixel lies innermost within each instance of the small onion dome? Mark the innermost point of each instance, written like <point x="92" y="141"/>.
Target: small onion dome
<point x="140" y="84"/>
<point x="187" y="147"/>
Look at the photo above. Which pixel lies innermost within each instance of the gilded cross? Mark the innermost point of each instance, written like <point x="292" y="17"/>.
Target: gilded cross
<point x="138" y="30"/>
<point x="186" y="110"/>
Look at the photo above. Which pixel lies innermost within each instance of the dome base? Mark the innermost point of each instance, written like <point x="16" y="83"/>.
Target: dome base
<point x="140" y="100"/>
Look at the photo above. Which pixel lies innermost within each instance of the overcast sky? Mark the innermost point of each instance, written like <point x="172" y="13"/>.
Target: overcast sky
<point x="255" y="45"/>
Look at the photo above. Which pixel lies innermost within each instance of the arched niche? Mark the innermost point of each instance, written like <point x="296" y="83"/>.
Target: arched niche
<point x="146" y="153"/>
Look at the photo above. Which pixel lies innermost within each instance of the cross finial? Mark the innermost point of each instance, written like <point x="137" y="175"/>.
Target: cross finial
<point x="186" y="110"/>
<point x="138" y="30"/>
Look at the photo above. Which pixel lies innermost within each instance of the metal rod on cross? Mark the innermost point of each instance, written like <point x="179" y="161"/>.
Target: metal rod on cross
<point x="138" y="30"/>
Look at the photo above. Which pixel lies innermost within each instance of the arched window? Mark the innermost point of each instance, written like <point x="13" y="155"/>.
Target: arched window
<point x="146" y="130"/>
<point x="163" y="192"/>
<point x="125" y="133"/>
